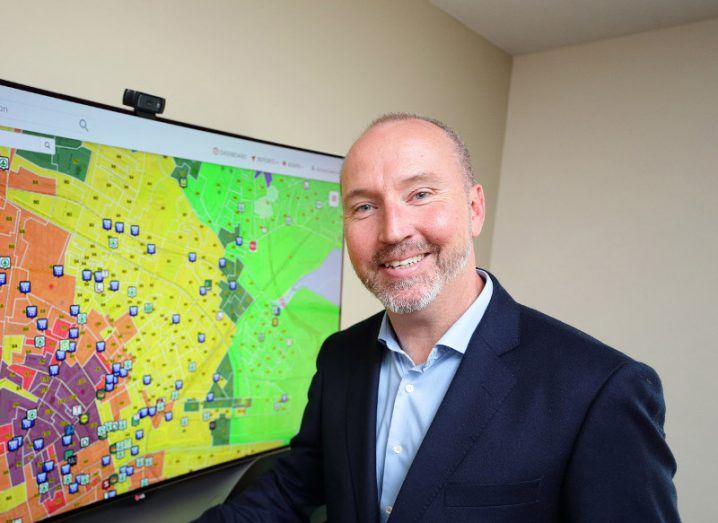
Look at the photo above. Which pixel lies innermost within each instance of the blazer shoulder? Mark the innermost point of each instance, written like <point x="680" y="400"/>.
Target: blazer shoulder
<point x="562" y="346"/>
<point x="355" y="337"/>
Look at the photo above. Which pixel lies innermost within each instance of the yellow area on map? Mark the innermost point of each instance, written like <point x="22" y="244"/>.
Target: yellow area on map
<point x="14" y="496"/>
<point x="11" y="345"/>
<point x="192" y="460"/>
<point x="17" y="389"/>
<point x="136" y="188"/>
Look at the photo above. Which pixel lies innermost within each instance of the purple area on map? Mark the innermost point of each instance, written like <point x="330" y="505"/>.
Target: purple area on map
<point x="53" y="478"/>
<point x="86" y="392"/>
<point x="17" y="475"/>
<point x="58" y="395"/>
<point x="8" y="410"/>
<point x="37" y="362"/>
<point x="82" y="431"/>
<point x="56" y="392"/>
<point x="93" y="374"/>
<point x="267" y="176"/>
<point x="5" y="374"/>
<point x="24" y="454"/>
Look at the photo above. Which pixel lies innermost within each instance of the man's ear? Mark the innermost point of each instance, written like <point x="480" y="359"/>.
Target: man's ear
<point x="477" y="208"/>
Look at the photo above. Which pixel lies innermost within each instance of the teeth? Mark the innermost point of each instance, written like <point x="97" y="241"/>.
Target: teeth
<point x="404" y="263"/>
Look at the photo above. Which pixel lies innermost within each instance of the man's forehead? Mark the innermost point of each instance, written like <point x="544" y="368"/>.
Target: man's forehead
<point x="393" y="133"/>
<point x="405" y="141"/>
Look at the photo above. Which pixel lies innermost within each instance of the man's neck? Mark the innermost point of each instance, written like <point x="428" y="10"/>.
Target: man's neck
<point x="419" y="331"/>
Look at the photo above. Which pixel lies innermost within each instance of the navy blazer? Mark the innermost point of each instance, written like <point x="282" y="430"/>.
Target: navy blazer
<point x="541" y="423"/>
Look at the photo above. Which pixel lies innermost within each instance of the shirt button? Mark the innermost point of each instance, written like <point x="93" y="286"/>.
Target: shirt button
<point x="409" y="388"/>
<point x="387" y="509"/>
<point x="397" y="449"/>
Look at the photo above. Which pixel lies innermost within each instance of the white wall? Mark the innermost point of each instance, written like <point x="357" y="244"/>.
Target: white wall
<point x="608" y="215"/>
<point x="309" y="73"/>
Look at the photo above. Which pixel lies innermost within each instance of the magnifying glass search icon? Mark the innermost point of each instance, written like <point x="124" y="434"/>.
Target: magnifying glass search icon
<point x="46" y="144"/>
<point x="83" y="124"/>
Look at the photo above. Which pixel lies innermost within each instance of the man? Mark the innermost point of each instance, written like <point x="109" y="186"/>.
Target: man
<point x="457" y="403"/>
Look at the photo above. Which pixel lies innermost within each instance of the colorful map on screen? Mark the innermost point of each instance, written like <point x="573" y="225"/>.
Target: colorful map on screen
<point x="158" y="315"/>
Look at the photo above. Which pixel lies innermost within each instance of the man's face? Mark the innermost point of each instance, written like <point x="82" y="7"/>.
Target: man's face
<point x="408" y="216"/>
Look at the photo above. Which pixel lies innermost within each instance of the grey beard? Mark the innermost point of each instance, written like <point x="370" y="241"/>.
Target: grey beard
<point x="448" y="270"/>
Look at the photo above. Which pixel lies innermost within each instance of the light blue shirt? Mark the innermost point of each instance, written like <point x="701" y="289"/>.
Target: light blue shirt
<point x="409" y="395"/>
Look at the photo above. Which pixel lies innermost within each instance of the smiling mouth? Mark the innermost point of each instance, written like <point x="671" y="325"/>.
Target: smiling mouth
<point x="400" y="264"/>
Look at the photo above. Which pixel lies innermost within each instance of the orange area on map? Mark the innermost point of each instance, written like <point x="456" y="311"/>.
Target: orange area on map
<point x="124" y="330"/>
<point x="34" y="246"/>
<point x="96" y="324"/>
<point x="155" y="420"/>
<point x="5" y="476"/>
<point x="125" y="327"/>
<point x="85" y="347"/>
<point x="18" y="358"/>
<point x="25" y="180"/>
<point x="4" y="177"/>
<point x="46" y="247"/>
<point x="154" y="473"/>
<point x="119" y="400"/>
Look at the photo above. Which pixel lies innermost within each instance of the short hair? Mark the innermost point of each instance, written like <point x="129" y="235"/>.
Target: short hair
<point x="462" y="153"/>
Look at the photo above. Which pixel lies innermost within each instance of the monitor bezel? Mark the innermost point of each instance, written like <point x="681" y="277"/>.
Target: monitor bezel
<point x="143" y="492"/>
<point x="128" y="112"/>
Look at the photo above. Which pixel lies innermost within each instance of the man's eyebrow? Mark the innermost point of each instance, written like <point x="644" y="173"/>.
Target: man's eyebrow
<point x="357" y="193"/>
<point x="427" y="176"/>
<point x="421" y="177"/>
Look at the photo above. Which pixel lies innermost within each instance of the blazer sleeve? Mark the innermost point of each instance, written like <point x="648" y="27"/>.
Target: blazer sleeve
<point x="621" y="468"/>
<point x="295" y="486"/>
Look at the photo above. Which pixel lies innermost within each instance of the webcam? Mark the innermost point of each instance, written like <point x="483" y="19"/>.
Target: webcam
<point x="144" y="104"/>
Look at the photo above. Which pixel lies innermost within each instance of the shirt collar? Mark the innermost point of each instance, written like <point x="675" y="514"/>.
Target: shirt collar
<point x="459" y="334"/>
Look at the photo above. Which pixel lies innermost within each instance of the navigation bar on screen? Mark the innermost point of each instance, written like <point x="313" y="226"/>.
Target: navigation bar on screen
<point x="48" y="115"/>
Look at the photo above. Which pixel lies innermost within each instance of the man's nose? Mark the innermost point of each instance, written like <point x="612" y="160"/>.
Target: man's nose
<point x="396" y="224"/>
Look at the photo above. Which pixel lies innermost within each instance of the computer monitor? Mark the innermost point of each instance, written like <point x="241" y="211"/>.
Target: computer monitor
<point x="164" y="290"/>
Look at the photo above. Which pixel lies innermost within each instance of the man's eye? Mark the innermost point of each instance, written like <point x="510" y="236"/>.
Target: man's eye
<point x="421" y="195"/>
<point x="365" y="207"/>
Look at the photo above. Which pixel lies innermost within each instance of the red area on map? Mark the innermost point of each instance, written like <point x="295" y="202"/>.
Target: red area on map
<point x="26" y="374"/>
<point x="5" y="434"/>
<point x="60" y="329"/>
<point x="56" y="502"/>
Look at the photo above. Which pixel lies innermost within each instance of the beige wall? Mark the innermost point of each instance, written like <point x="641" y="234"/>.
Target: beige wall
<point x="608" y="214"/>
<point x="305" y="73"/>
<point x="608" y="203"/>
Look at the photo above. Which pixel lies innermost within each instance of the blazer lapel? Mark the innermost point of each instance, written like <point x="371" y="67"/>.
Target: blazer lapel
<point x="480" y="385"/>
<point x="361" y="423"/>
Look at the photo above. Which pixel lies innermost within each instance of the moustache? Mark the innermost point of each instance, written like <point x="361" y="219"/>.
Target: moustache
<point x="401" y="250"/>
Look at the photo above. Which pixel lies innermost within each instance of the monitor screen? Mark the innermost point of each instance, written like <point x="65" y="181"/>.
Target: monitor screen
<point x="164" y="290"/>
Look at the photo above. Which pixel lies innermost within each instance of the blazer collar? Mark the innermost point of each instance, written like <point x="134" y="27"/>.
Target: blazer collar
<point x="480" y="385"/>
<point x="478" y="389"/>
<point x="361" y="420"/>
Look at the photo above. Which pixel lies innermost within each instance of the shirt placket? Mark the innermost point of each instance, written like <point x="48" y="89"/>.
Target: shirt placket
<point x="399" y="452"/>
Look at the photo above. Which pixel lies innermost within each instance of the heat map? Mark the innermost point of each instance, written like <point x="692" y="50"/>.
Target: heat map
<point x="158" y="315"/>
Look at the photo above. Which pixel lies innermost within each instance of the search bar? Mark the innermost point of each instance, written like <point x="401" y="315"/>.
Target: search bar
<point x="27" y="142"/>
<point x="21" y="115"/>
